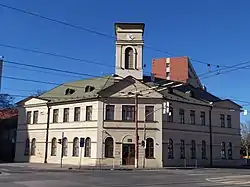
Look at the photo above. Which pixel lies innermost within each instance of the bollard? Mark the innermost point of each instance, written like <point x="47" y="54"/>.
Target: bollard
<point x="185" y="163"/>
<point x="196" y="163"/>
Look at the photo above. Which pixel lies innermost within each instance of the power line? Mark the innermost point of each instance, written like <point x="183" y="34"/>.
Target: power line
<point x="50" y="69"/>
<point x="94" y="32"/>
<point x="54" y="54"/>
<point x="228" y="71"/>
<point x="35" y="70"/>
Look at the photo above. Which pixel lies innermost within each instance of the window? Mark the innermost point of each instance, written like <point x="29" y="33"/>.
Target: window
<point x="203" y="150"/>
<point x="170" y="149"/>
<point x="69" y="91"/>
<point x="167" y="75"/>
<point x="170" y="115"/>
<point x="223" y="150"/>
<point x="192" y="116"/>
<point x="27" y="147"/>
<point x="182" y="116"/>
<point x="88" y="113"/>
<point x="222" y="120"/>
<point x="33" y="147"/>
<point x="109" y="147"/>
<point x="87" y="152"/>
<point x="193" y="149"/>
<point x="89" y="88"/>
<point x="128" y="113"/>
<point x="55" y="115"/>
<point x="53" y="147"/>
<point x="182" y="149"/>
<point x="203" y="119"/>
<point x="230" y="151"/>
<point x="149" y="148"/>
<point x="77" y="113"/>
<point x="110" y="112"/>
<point x="65" y="147"/>
<point x="129" y="58"/>
<point x="229" y="123"/>
<point x="35" y="117"/>
<point x="66" y="115"/>
<point x="28" y="117"/>
<point x="75" y="147"/>
<point x="149" y="113"/>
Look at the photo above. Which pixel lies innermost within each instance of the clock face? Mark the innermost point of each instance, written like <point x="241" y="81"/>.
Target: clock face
<point x="130" y="37"/>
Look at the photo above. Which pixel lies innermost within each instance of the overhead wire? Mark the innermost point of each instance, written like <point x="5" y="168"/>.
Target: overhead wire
<point x="92" y="31"/>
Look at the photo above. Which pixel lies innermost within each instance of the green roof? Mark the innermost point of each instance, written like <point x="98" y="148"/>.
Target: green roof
<point x="81" y="89"/>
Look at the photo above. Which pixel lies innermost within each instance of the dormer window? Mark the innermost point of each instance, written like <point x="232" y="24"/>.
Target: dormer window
<point x="69" y="91"/>
<point x="89" y="88"/>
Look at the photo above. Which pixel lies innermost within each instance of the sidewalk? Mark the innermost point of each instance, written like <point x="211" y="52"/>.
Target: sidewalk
<point x="74" y="168"/>
<point x="57" y="167"/>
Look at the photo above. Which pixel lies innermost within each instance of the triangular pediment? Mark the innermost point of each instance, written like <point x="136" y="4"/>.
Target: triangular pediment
<point x="128" y="86"/>
<point x="32" y="101"/>
<point x="227" y="104"/>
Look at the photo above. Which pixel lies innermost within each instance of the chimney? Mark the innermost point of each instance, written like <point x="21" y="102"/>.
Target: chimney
<point x="204" y="87"/>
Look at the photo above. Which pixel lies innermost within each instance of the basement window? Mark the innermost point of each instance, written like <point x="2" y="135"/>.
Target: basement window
<point x="69" y="91"/>
<point x="89" y="88"/>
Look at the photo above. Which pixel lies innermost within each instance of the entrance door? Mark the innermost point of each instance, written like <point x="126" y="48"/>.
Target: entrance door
<point x="128" y="154"/>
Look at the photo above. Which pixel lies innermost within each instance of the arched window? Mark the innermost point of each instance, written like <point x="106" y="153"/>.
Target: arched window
<point x="203" y="150"/>
<point x="170" y="149"/>
<point x="149" y="148"/>
<point x="129" y="58"/>
<point x="65" y="147"/>
<point x="87" y="152"/>
<point x="230" y="151"/>
<point x="53" y="147"/>
<point x="76" y="147"/>
<point x="109" y="147"/>
<point x="27" y="147"/>
<point x="223" y="150"/>
<point x="33" y="147"/>
<point x="193" y="149"/>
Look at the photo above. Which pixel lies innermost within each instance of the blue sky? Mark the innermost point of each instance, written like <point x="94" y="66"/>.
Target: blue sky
<point x="215" y="32"/>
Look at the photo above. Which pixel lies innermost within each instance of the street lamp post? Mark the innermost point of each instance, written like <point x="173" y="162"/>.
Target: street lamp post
<point x="136" y="121"/>
<point x="165" y="110"/>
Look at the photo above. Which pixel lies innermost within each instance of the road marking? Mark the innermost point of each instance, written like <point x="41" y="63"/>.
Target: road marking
<point x="235" y="179"/>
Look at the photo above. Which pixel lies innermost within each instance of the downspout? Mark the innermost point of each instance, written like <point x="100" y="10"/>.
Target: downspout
<point x="47" y="134"/>
<point x="210" y="136"/>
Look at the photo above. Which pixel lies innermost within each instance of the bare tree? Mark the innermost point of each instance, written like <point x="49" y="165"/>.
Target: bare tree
<point x="245" y="137"/>
<point x="6" y="101"/>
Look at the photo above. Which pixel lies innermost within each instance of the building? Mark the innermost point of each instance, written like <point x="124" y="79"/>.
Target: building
<point x="182" y="124"/>
<point x="8" y="126"/>
<point x="177" y="69"/>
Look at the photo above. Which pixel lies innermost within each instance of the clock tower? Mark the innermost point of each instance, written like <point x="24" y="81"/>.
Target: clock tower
<point x="129" y="49"/>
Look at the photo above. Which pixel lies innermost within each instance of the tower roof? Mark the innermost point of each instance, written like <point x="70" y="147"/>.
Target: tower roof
<point x="129" y="26"/>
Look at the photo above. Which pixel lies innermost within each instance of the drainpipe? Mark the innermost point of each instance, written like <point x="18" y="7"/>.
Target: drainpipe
<point x="210" y="136"/>
<point x="47" y="134"/>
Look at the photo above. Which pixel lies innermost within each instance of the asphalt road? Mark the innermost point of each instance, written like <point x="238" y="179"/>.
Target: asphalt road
<point x="24" y="177"/>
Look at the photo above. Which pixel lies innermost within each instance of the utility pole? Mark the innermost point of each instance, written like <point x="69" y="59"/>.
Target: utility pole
<point x="47" y="134"/>
<point x="165" y="109"/>
<point x="136" y="130"/>
<point x="62" y="149"/>
<point x="210" y="137"/>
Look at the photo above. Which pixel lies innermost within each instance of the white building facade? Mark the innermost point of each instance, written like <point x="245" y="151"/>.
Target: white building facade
<point x="198" y="128"/>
